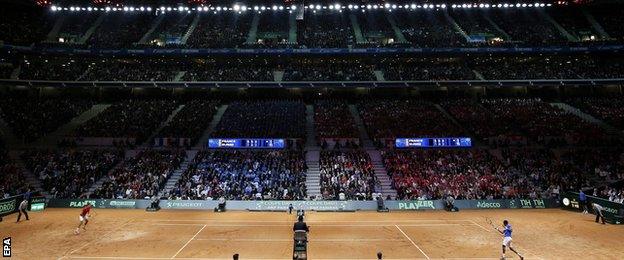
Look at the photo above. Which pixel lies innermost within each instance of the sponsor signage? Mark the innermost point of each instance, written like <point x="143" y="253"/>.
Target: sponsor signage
<point x="417" y="205"/>
<point x="611" y="210"/>
<point x="7" y="206"/>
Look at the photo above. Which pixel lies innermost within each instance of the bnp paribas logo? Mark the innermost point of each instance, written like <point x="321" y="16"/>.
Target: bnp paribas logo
<point x="7" y="207"/>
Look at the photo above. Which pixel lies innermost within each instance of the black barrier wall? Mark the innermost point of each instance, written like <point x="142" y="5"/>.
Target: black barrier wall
<point x="612" y="211"/>
<point x="10" y="205"/>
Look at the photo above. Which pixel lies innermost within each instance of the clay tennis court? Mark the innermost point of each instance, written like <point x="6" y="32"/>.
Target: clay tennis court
<point x="192" y="234"/>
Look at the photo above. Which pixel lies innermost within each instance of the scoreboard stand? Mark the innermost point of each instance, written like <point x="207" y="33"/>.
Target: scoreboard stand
<point x="300" y="245"/>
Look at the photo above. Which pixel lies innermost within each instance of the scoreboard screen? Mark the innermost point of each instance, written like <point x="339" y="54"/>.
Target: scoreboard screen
<point x="441" y="142"/>
<point x="246" y="143"/>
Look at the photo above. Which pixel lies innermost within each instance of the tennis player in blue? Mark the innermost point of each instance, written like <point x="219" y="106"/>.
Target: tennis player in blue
<point x="507" y="239"/>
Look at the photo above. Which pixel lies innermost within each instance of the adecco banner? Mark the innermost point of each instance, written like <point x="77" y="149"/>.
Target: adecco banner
<point x="570" y="201"/>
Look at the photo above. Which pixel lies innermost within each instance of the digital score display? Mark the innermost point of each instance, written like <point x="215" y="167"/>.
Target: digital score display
<point x="246" y="143"/>
<point x="443" y="142"/>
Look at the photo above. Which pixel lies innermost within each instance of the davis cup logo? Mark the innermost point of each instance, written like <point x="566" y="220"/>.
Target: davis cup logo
<point x="566" y="202"/>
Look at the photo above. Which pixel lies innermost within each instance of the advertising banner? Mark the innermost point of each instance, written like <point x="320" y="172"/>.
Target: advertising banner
<point x="613" y="212"/>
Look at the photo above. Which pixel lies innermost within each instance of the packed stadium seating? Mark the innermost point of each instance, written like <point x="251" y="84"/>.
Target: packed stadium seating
<point x="272" y="119"/>
<point x="191" y="121"/>
<point x="130" y="119"/>
<point x="70" y="173"/>
<point x="31" y="118"/>
<point x="610" y="110"/>
<point x="12" y="180"/>
<point x="401" y="118"/>
<point x="332" y="119"/>
<point x="347" y="175"/>
<point x="243" y="175"/>
<point x="142" y="176"/>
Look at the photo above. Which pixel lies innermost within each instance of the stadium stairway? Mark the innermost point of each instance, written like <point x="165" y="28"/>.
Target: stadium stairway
<point x="53" y="138"/>
<point x="400" y="38"/>
<point x="456" y="26"/>
<point x="559" y="28"/>
<point x="104" y="178"/>
<point x="292" y="28"/>
<point x="495" y="26"/>
<point x="357" y="31"/>
<point x="190" y="29"/>
<point x="311" y="142"/>
<point x="148" y="142"/>
<point x="179" y="75"/>
<point x="577" y="112"/>
<point x="313" y="176"/>
<point x="171" y="182"/>
<point x="92" y="29"/>
<point x="213" y="124"/>
<point x="381" y="173"/>
<point x="590" y="18"/>
<point x="31" y="179"/>
<point x="252" y="35"/>
<point x="153" y="28"/>
<point x="58" y="24"/>
<point x="365" y="140"/>
<point x="453" y="120"/>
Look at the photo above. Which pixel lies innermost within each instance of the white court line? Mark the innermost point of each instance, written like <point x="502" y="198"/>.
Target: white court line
<point x="308" y="221"/>
<point x="408" y="238"/>
<point x="290" y="240"/>
<point x="482" y="227"/>
<point x="187" y="242"/>
<point x="96" y="239"/>
<point x="321" y="225"/>
<point x="214" y="258"/>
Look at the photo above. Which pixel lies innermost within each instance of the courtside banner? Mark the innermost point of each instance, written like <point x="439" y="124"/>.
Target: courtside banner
<point x="9" y="205"/>
<point x="611" y="212"/>
<point x="322" y="205"/>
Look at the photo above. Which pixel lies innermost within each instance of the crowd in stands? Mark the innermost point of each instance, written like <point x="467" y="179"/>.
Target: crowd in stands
<point x="233" y="69"/>
<point x="244" y="175"/>
<point x="273" y="30"/>
<point x="481" y="174"/>
<point x="22" y="25"/>
<point x="405" y="118"/>
<point x="170" y="30"/>
<point x="132" y="70"/>
<point x="31" y="118"/>
<point x="263" y="119"/>
<point x="130" y="118"/>
<point x="347" y="175"/>
<point x="427" y="29"/>
<point x="609" y="110"/>
<point x="52" y="68"/>
<point x="326" y="30"/>
<point x="328" y="70"/>
<point x="191" y="121"/>
<point x="243" y="68"/>
<point x="70" y="173"/>
<point x="477" y="120"/>
<point x="547" y="124"/>
<point x="222" y="30"/>
<point x="425" y="69"/>
<point x="120" y="30"/>
<point x="12" y="180"/>
<point x="142" y="176"/>
<point x="527" y="27"/>
<point x="332" y="119"/>
<point x="548" y="67"/>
